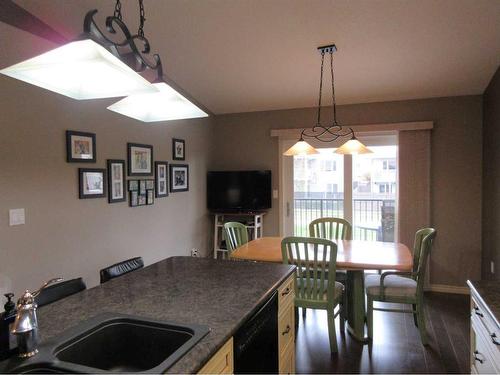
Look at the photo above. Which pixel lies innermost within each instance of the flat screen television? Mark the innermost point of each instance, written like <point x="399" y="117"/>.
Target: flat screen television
<point x="239" y="191"/>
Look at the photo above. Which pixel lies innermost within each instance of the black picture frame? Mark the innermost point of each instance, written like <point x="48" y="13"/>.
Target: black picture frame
<point x="112" y="180"/>
<point x="70" y="155"/>
<point x="174" y="183"/>
<point x="131" y="163"/>
<point x="82" y="193"/>
<point x="178" y="154"/>
<point x="161" y="190"/>
<point x="134" y="198"/>
<point x="133" y="185"/>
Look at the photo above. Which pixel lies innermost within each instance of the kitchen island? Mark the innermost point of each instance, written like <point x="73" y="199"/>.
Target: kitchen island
<point x="219" y="294"/>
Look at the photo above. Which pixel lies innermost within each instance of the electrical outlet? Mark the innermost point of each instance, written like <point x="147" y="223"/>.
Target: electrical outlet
<point x="195" y="252"/>
<point x="492" y="267"/>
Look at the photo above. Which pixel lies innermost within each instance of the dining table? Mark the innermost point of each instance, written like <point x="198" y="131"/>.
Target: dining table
<point x="354" y="256"/>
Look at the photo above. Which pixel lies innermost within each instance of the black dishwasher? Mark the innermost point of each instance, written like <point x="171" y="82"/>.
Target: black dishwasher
<point x="256" y="342"/>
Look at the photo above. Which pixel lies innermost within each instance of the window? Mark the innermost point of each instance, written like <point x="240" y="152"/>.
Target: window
<point x="329" y="165"/>
<point x="389" y="164"/>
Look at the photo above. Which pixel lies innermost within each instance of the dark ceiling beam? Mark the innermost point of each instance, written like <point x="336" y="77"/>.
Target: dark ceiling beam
<point x="14" y="15"/>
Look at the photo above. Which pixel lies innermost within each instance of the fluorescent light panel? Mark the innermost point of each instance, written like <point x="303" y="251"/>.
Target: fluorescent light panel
<point x="81" y="70"/>
<point x="166" y="104"/>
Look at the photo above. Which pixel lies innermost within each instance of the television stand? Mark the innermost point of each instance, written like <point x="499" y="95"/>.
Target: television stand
<point x="253" y="220"/>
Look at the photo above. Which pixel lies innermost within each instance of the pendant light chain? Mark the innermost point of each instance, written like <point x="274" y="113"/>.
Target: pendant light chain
<point x="333" y="91"/>
<point x="118" y="10"/>
<point x="142" y="18"/>
<point x="320" y="88"/>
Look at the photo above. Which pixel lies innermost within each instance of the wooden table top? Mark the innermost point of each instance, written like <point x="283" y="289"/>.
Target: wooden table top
<point x="351" y="255"/>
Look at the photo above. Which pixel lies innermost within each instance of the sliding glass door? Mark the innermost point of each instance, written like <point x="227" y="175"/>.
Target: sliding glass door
<point x="359" y="188"/>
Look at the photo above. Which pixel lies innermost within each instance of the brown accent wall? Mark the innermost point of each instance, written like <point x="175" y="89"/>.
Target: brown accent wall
<point x="69" y="237"/>
<point x="491" y="178"/>
<point x="243" y="141"/>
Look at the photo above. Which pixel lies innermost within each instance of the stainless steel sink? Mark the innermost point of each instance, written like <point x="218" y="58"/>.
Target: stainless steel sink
<point x="116" y="343"/>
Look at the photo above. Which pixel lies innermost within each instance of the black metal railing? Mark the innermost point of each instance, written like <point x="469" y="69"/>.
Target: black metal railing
<point x="373" y="219"/>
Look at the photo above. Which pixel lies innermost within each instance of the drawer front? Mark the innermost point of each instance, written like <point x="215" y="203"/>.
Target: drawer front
<point x="286" y="293"/>
<point x="484" y="325"/>
<point x="286" y="328"/>
<point x="482" y="359"/>
<point x="221" y="362"/>
<point x="287" y="360"/>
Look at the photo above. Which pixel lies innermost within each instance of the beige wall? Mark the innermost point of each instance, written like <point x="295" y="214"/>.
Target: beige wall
<point x="491" y="178"/>
<point x="69" y="237"/>
<point x="242" y="141"/>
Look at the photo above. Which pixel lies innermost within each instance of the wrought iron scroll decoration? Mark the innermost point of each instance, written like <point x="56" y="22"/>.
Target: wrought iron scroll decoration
<point x="126" y="50"/>
<point x="335" y="130"/>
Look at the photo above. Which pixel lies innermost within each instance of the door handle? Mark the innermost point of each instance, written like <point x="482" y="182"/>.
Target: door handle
<point x="478" y="312"/>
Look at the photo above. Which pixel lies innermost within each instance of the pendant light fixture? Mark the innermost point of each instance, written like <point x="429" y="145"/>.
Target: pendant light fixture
<point x="328" y="133"/>
<point x="95" y="66"/>
<point x="162" y="105"/>
<point x="88" y="68"/>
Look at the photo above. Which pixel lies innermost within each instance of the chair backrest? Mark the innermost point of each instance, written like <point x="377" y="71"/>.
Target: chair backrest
<point x="421" y="250"/>
<point x="235" y="234"/>
<point x="60" y="290"/>
<point x="121" y="268"/>
<point x="315" y="259"/>
<point x="331" y="228"/>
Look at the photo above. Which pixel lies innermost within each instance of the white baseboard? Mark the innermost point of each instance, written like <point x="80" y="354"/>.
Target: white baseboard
<point x="441" y="288"/>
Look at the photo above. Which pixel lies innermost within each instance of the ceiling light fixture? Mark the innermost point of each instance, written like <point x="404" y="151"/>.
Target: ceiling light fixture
<point x="95" y="66"/>
<point x="330" y="132"/>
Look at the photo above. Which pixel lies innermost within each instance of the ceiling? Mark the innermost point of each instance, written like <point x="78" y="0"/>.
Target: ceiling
<point x="253" y="55"/>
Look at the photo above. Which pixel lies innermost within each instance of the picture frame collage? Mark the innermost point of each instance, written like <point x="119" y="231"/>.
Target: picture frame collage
<point x="112" y="182"/>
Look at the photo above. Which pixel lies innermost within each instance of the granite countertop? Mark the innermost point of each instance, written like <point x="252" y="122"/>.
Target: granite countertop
<point x="489" y="291"/>
<point x="217" y="293"/>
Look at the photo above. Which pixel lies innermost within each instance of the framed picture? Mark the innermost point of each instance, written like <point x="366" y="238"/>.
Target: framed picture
<point x="133" y="185"/>
<point x="150" y="197"/>
<point x="116" y="181"/>
<point x="80" y="147"/>
<point x="179" y="177"/>
<point x="142" y="187"/>
<point x="140" y="159"/>
<point x="150" y="184"/>
<point x="142" y="200"/>
<point x="134" y="198"/>
<point x="92" y="183"/>
<point x="178" y="149"/>
<point x="161" y="177"/>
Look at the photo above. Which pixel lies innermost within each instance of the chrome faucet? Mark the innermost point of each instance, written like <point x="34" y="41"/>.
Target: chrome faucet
<point x="25" y="326"/>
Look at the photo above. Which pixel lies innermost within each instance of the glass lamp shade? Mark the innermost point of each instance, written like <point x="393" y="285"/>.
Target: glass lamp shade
<point x="81" y="70"/>
<point x="301" y="148"/>
<point x="166" y="104"/>
<point x="353" y="147"/>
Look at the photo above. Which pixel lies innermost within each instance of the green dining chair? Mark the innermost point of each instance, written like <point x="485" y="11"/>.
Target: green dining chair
<point x="403" y="287"/>
<point x="235" y="234"/>
<point x="315" y="285"/>
<point x="332" y="228"/>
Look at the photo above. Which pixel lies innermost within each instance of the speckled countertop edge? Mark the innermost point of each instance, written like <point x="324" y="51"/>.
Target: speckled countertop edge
<point x="488" y="292"/>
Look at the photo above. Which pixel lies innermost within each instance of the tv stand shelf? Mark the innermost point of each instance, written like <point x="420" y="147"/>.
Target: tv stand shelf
<point x="254" y="221"/>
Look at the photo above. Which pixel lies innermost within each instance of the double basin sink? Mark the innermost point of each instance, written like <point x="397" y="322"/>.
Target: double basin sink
<point x="114" y="343"/>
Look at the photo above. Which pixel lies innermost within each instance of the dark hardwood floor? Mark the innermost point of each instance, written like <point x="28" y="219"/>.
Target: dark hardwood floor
<point x="396" y="346"/>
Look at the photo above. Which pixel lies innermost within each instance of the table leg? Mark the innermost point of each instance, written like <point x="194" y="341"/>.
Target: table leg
<point x="356" y="305"/>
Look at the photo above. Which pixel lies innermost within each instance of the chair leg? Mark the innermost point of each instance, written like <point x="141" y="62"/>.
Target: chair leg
<point x="414" y="307"/>
<point x="369" y="316"/>
<point x="331" y="331"/>
<point x="343" y="313"/>
<point x="421" y="321"/>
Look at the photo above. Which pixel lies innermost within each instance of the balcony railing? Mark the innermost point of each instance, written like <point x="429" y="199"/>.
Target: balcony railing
<point x="373" y="219"/>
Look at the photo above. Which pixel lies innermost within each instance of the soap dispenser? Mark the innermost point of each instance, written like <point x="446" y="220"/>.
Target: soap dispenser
<point x="7" y="340"/>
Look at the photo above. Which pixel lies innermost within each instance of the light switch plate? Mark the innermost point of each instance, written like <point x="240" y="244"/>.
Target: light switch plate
<point x="16" y="216"/>
<point x="275" y="193"/>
